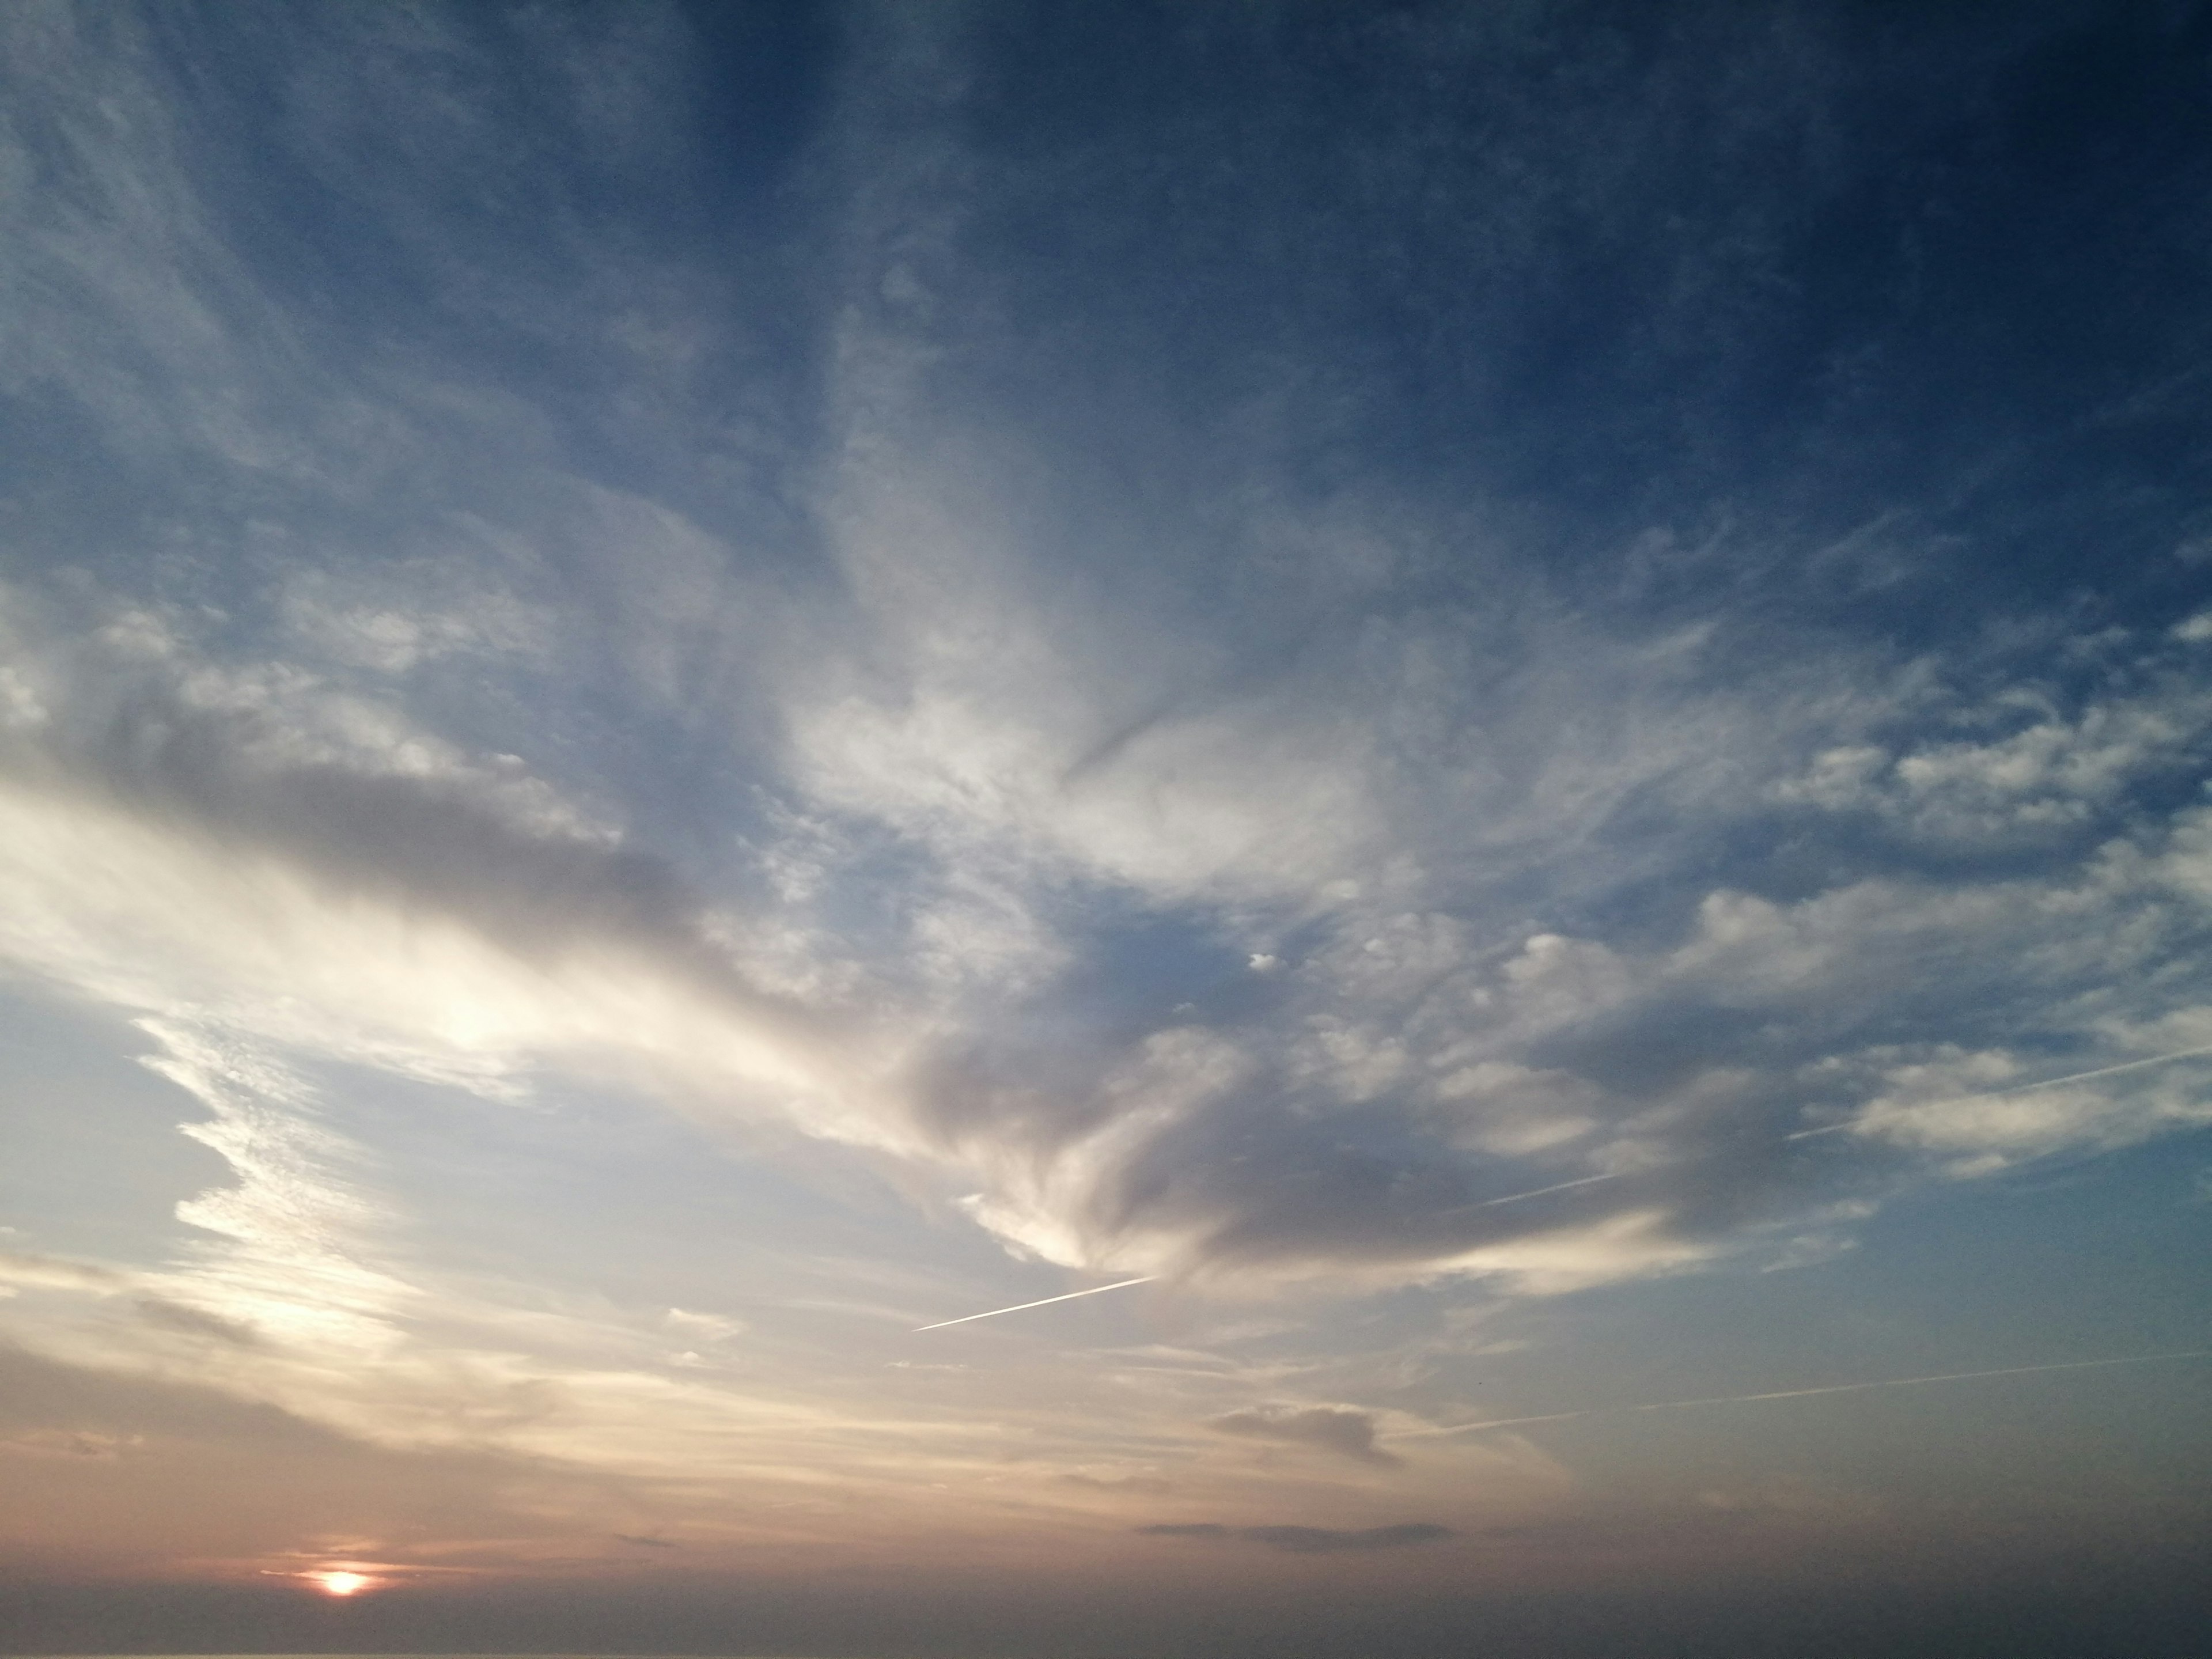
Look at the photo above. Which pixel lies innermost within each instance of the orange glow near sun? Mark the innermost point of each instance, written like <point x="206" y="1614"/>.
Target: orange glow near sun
<point x="340" y="1584"/>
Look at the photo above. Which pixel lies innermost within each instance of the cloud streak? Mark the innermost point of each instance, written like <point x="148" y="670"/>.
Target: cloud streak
<point x="1806" y="1394"/>
<point x="1346" y="1431"/>
<point x="1311" y="1541"/>
<point x="1869" y="1122"/>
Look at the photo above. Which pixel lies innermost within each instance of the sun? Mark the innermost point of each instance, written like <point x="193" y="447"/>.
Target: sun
<point x="340" y="1584"/>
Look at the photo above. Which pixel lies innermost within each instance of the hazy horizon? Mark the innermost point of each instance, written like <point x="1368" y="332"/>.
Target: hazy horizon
<point x="1042" y="831"/>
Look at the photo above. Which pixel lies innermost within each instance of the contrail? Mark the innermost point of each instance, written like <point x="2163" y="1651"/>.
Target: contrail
<point x="1802" y="1393"/>
<point x="1559" y="1187"/>
<point x="1096" y="1290"/>
<point x="2025" y="1088"/>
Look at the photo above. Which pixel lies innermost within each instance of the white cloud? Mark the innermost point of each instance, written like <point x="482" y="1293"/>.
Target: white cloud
<point x="1984" y="1111"/>
<point x="54" y="1273"/>
<point x="391" y="634"/>
<point x="2052" y="777"/>
<point x="1633" y="1244"/>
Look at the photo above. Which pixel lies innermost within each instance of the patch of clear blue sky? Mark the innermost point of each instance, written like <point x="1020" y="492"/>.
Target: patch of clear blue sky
<point x="94" y="1165"/>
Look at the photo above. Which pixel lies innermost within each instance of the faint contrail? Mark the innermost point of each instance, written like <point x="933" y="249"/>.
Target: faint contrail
<point x="1046" y="1302"/>
<point x="1800" y="1394"/>
<point x="2024" y="1088"/>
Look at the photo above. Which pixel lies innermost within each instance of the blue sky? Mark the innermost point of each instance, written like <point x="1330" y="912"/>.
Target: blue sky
<point x="1515" y="696"/>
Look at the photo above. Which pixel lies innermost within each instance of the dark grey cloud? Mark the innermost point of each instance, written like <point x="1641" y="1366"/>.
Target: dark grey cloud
<point x="1310" y="1541"/>
<point x="1322" y="1540"/>
<point x="246" y="775"/>
<point x="1344" y="1430"/>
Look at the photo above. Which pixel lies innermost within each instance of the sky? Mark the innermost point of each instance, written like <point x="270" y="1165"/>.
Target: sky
<point x="1499" y="711"/>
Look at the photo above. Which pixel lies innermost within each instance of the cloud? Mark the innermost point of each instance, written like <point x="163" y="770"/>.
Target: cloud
<point x="1151" y="1484"/>
<point x="196" y="1322"/>
<point x="2056" y="776"/>
<point x="59" y="1273"/>
<point x="1960" y="1104"/>
<point x="704" y="1326"/>
<point x="1191" y="1530"/>
<point x="305" y="866"/>
<point x="1317" y="1540"/>
<point x="62" y="1443"/>
<point x="1354" y="1111"/>
<point x="1344" y="1430"/>
<point x="1311" y="1541"/>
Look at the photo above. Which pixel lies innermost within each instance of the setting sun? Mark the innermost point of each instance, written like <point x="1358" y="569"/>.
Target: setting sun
<point x="341" y="1584"/>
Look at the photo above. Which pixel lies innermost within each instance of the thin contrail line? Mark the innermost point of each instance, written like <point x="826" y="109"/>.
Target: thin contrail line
<point x="2024" y="1088"/>
<point x="1096" y="1290"/>
<point x="1802" y="1393"/>
<point x="1559" y="1187"/>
